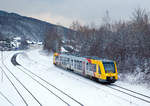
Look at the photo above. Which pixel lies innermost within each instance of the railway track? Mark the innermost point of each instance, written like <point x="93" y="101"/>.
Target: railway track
<point x="129" y="92"/>
<point x="25" y="102"/>
<point x="38" y="79"/>
<point x="23" y="86"/>
<point x="125" y="91"/>
<point x="15" y="87"/>
<point x="6" y="98"/>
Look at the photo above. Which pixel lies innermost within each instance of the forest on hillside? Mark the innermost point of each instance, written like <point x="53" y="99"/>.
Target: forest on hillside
<point x="126" y="42"/>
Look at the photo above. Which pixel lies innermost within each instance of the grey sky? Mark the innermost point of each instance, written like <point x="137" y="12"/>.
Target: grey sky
<point x="65" y="11"/>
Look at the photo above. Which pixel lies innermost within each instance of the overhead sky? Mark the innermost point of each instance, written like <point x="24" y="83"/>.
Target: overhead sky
<point x="64" y="12"/>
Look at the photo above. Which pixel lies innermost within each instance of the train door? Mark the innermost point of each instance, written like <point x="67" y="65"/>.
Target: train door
<point x="90" y="69"/>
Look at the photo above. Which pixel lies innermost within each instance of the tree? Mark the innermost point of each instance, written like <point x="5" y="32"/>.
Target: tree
<point x="52" y="41"/>
<point x="24" y="43"/>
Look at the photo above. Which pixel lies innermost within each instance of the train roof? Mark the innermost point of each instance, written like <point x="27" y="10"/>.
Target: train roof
<point x="88" y="57"/>
<point x="97" y="58"/>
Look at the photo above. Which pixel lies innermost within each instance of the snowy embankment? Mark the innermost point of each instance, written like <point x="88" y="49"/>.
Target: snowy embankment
<point x="87" y="92"/>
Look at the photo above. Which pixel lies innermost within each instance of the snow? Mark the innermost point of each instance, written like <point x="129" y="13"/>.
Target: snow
<point x="63" y="49"/>
<point x="86" y="91"/>
<point x="17" y="38"/>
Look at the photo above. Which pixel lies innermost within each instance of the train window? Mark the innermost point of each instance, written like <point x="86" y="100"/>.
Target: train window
<point x="94" y="67"/>
<point x="68" y="59"/>
<point x="62" y="60"/>
<point x="75" y="63"/>
<point x="90" y="67"/>
<point x="71" y="62"/>
<point x="109" y="67"/>
<point x="65" y="61"/>
<point x="56" y="58"/>
<point x="80" y="65"/>
<point x="99" y="70"/>
<point x="83" y="65"/>
<point x="87" y="66"/>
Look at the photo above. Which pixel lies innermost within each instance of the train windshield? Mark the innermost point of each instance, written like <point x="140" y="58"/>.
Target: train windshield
<point x="109" y="67"/>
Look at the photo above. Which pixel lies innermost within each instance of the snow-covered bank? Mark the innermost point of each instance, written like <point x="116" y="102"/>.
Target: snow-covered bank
<point x="136" y="79"/>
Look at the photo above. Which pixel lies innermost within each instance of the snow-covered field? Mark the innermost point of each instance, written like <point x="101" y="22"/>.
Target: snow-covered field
<point x="33" y="91"/>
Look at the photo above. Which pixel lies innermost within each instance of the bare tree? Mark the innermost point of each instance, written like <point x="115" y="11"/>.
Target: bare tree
<point x="52" y="41"/>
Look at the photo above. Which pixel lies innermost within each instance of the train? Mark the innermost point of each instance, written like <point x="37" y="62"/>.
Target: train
<point x="101" y="70"/>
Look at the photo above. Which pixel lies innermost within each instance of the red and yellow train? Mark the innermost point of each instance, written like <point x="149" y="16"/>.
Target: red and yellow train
<point x="100" y="69"/>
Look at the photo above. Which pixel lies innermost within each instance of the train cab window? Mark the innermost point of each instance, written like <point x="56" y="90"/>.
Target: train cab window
<point x="109" y="67"/>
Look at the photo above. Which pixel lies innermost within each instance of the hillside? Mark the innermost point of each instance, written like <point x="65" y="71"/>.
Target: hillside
<point x="15" y="25"/>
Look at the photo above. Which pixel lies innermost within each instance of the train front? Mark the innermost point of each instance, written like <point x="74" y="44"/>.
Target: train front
<point x="110" y="70"/>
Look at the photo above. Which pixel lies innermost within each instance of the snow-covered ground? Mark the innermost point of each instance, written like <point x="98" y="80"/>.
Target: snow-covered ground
<point x="87" y="92"/>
